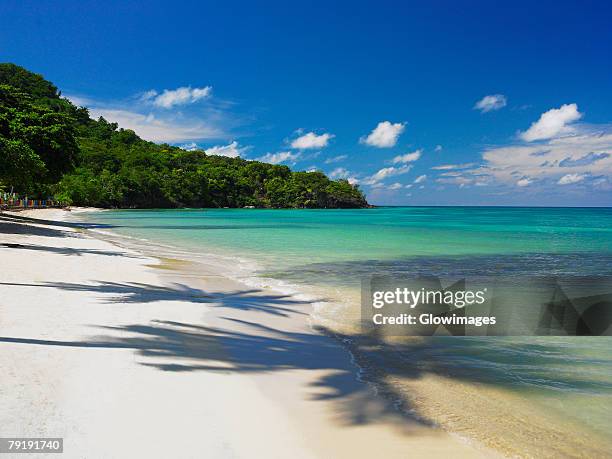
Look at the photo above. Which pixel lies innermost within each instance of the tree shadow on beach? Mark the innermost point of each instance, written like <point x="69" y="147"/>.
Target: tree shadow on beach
<point x="182" y="347"/>
<point x="11" y="227"/>
<point x="254" y="347"/>
<point x="28" y="226"/>
<point x="142" y="293"/>
<point x="14" y="218"/>
<point x="69" y="251"/>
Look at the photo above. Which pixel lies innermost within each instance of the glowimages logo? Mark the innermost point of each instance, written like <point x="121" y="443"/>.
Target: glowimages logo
<point x="509" y="306"/>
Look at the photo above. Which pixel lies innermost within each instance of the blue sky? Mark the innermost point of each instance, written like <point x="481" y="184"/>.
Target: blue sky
<point x="430" y="103"/>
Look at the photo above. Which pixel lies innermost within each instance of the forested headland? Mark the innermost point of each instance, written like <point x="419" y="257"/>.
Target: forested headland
<point x="51" y="148"/>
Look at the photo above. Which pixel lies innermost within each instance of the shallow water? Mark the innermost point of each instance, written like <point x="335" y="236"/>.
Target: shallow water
<point x="562" y="384"/>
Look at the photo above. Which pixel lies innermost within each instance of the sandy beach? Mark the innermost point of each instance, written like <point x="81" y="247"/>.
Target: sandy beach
<point x="123" y="355"/>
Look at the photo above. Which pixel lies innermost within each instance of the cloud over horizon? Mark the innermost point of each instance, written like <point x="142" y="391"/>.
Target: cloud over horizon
<point x="583" y="158"/>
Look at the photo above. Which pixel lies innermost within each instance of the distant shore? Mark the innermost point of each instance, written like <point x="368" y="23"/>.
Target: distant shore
<point x="110" y="348"/>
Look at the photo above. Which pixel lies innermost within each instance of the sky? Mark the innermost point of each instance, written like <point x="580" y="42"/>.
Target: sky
<point x="420" y="103"/>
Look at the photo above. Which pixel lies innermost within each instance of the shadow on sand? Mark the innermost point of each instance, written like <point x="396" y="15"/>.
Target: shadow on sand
<point x="253" y="347"/>
<point x="28" y="226"/>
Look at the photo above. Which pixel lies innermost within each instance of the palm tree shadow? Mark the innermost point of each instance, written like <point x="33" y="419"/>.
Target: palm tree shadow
<point x="250" y="347"/>
<point x="66" y="250"/>
<point x="172" y="346"/>
<point x="143" y="293"/>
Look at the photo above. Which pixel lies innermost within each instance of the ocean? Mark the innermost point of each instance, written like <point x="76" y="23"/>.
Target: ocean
<point x="542" y="396"/>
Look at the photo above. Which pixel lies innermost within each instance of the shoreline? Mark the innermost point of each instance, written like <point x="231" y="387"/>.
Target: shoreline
<point x="512" y="424"/>
<point x="187" y="331"/>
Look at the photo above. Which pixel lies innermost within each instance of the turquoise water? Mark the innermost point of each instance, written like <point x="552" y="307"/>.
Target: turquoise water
<point x="331" y="250"/>
<point x="297" y="236"/>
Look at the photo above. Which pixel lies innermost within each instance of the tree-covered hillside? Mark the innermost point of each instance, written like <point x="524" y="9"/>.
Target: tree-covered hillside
<point x="48" y="146"/>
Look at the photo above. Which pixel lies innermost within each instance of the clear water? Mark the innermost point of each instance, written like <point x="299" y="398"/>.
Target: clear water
<point x="329" y="251"/>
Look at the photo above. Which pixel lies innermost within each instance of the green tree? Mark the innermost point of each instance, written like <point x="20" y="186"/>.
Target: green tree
<point x="39" y="145"/>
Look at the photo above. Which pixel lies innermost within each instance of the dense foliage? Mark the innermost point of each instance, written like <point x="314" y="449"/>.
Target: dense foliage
<point x="37" y="144"/>
<point x="49" y="145"/>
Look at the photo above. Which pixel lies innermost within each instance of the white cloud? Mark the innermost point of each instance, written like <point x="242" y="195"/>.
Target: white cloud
<point x="191" y="146"/>
<point x="420" y="178"/>
<point x="407" y="158"/>
<point x="156" y="126"/>
<point x="231" y="150"/>
<point x="80" y="101"/>
<point x="460" y="180"/>
<point x="552" y="123"/>
<point x="386" y="172"/>
<point x="339" y="172"/>
<point x="384" y="135"/>
<point x="148" y="95"/>
<point x="568" y="179"/>
<point x="280" y="157"/>
<point x="311" y="140"/>
<point x="445" y="167"/>
<point x="438" y="148"/>
<point x="180" y="96"/>
<point x="342" y="173"/>
<point x="336" y="159"/>
<point x="562" y="160"/>
<point x="524" y="182"/>
<point x="156" y="129"/>
<point x="395" y="186"/>
<point x="490" y="103"/>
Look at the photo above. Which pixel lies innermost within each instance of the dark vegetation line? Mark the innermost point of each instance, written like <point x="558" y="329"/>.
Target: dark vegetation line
<point x="51" y="148"/>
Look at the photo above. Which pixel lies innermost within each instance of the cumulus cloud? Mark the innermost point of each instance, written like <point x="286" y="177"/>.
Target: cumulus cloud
<point x="311" y="140"/>
<point x="336" y="159"/>
<point x="179" y="96"/>
<point x="231" y="150"/>
<point x="524" y="182"/>
<point x="386" y="172"/>
<point x="552" y="123"/>
<point x="491" y="103"/>
<point x="583" y="157"/>
<point x="562" y="160"/>
<point x="384" y="135"/>
<point x="420" y="178"/>
<point x="407" y="158"/>
<point x="280" y="157"/>
<point x="569" y="179"/>
<point x="395" y="186"/>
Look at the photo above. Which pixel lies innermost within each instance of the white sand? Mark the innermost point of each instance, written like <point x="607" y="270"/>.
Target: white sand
<point x="124" y="358"/>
